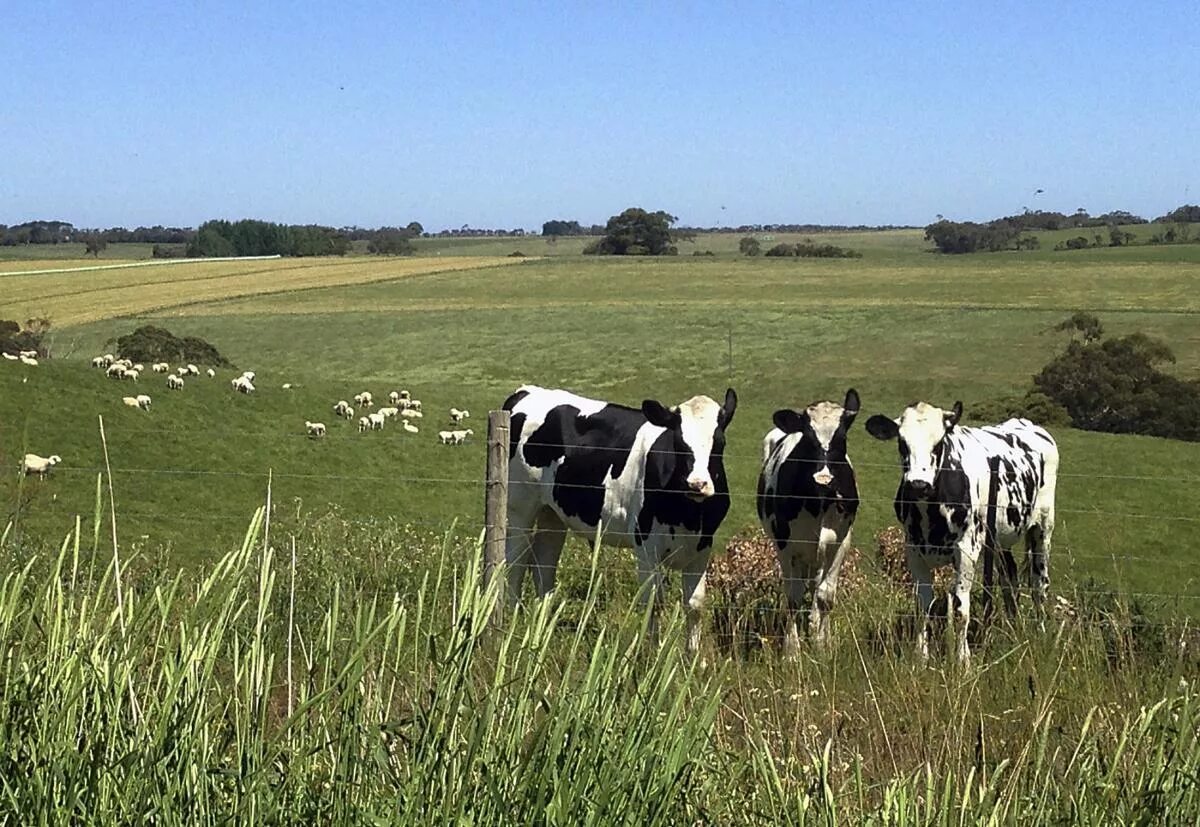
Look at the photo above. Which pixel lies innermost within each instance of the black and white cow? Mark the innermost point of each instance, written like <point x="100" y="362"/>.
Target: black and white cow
<point x="966" y="491"/>
<point x="807" y="500"/>
<point x="650" y="478"/>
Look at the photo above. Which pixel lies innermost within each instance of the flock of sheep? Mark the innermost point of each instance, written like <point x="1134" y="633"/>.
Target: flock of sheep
<point x="403" y="407"/>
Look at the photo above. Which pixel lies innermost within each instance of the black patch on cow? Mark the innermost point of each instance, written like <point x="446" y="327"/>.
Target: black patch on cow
<point x="792" y="488"/>
<point x="516" y="425"/>
<point x="514" y="398"/>
<point x="668" y="465"/>
<point x="591" y="448"/>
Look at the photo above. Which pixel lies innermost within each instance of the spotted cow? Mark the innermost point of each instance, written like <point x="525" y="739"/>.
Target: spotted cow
<point x="807" y="500"/>
<point x="650" y="478"/>
<point x="971" y="491"/>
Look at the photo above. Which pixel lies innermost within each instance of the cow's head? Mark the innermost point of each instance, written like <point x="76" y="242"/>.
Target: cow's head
<point x="920" y="433"/>
<point x="698" y="426"/>
<point x="824" y="426"/>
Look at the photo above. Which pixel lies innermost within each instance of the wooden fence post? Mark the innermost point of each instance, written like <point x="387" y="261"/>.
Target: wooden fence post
<point x="496" y="500"/>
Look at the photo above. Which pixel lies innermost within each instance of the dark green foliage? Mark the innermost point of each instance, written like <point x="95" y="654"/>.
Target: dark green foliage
<point x="37" y="232"/>
<point x="1118" y="237"/>
<point x="391" y="243"/>
<point x="1083" y="323"/>
<point x="559" y="227"/>
<point x="636" y="232"/>
<point x="749" y="246"/>
<point x="1115" y="385"/>
<point x="264" y="238"/>
<point x="155" y="344"/>
<point x="969" y="237"/>
<point x="703" y="253"/>
<point x="414" y="228"/>
<point x="169" y="251"/>
<point x="1034" y="406"/>
<point x="516" y="254"/>
<point x="807" y="249"/>
<point x="94" y="244"/>
<point x="1187" y="214"/>
<point x="15" y="337"/>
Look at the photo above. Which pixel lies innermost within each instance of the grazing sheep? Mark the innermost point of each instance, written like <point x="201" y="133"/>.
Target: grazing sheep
<point x="364" y="399"/>
<point x="404" y="394"/>
<point x="28" y="354"/>
<point x="109" y="358"/>
<point x="459" y="437"/>
<point x="139" y="367"/>
<point x="131" y="375"/>
<point x="211" y="373"/>
<point x="394" y="397"/>
<point x="457" y="416"/>
<point x="27" y="360"/>
<point x="130" y="401"/>
<point x="193" y="370"/>
<point x="174" y="382"/>
<point x="412" y="413"/>
<point x="377" y="420"/>
<point x="287" y="386"/>
<point x="389" y="413"/>
<point x="9" y="357"/>
<point x="181" y="371"/>
<point x="315" y="429"/>
<point x="414" y="404"/>
<point x="97" y="361"/>
<point x="343" y="409"/>
<point x="34" y="464"/>
<point x="242" y="385"/>
<point x="115" y="371"/>
<point x="248" y="375"/>
<point x="445" y="437"/>
<point x="160" y="367"/>
<point x="143" y="401"/>
<point x="364" y="424"/>
<point x="408" y="426"/>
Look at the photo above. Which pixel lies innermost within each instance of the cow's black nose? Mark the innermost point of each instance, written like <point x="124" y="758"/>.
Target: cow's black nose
<point x="920" y="488"/>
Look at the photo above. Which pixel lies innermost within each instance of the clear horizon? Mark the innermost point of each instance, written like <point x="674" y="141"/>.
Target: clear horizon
<point x="503" y="118"/>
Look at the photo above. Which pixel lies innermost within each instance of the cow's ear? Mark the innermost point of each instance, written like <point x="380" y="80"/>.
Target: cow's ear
<point x="659" y="414"/>
<point x="727" y="410"/>
<point x="951" y="418"/>
<point x="850" y="407"/>
<point x="883" y="427"/>
<point x="788" y="421"/>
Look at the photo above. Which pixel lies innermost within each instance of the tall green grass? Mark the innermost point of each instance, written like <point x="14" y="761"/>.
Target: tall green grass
<point x="254" y="695"/>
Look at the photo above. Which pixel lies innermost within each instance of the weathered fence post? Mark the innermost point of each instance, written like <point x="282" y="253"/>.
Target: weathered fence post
<point x="495" y="500"/>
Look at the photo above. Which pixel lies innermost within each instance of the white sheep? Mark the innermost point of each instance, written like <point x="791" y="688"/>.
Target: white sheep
<point x="9" y="357"/>
<point x="181" y="371"/>
<point x="364" y="424"/>
<point x="411" y="428"/>
<point x="457" y="416"/>
<point x="377" y="420"/>
<point x="160" y="367"/>
<point x="34" y="464"/>
<point x="115" y="371"/>
<point x="445" y="437"/>
<point x="389" y="413"/>
<point x="315" y="429"/>
<point x="28" y="354"/>
<point x="459" y="437"/>
<point x="242" y="385"/>
<point x="130" y="401"/>
<point x="174" y="382"/>
<point x="414" y="404"/>
<point x="249" y="375"/>
<point x="287" y="386"/>
<point x="364" y="399"/>
<point x="193" y="370"/>
<point x="109" y="359"/>
<point x="211" y="373"/>
<point x="394" y="397"/>
<point x="343" y="409"/>
<point x="28" y="360"/>
<point x="139" y="367"/>
<point x="97" y="361"/>
<point x="125" y="363"/>
<point x="131" y="374"/>
<point x="412" y="413"/>
<point x="143" y="401"/>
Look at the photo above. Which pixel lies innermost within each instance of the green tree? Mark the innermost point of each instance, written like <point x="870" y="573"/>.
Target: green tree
<point x="560" y="227"/>
<point x="389" y="242"/>
<point x="749" y="246"/>
<point x="415" y="229"/>
<point x="637" y="232"/>
<point x="95" y="243"/>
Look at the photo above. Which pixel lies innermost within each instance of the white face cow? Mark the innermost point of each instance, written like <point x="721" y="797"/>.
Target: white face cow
<point x="920" y="430"/>
<point x="699" y="424"/>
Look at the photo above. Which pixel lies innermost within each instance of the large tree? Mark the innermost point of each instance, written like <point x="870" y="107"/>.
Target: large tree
<point x="636" y="232"/>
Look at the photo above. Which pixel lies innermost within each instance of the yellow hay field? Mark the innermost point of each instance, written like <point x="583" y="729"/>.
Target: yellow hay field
<point x="88" y="295"/>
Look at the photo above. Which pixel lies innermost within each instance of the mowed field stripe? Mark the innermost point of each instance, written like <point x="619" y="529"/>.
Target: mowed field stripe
<point x="69" y="299"/>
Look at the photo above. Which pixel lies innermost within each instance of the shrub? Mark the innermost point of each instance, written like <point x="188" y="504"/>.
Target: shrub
<point x="1033" y="405"/>
<point x="169" y="251"/>
<point x="155" y="344"/>
<point x="15" y="337"/>
<point x="749" y="246"/>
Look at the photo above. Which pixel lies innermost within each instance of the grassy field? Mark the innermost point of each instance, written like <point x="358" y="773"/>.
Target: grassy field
<point x="898" y="324"/>
<point x="359" y="685"/>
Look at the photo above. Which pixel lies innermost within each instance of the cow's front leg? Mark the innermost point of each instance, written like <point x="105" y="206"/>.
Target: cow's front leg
<point x="918" y="568"/>
<point x="966" y="556"/>
<point x="793" y="587"/>
<point x="694" y="579"/>
<point x="650" y="579"/>
<point x="825" y="593"/>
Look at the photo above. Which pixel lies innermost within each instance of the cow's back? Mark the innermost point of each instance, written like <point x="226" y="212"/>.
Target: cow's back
<point x="1014" y="469"/>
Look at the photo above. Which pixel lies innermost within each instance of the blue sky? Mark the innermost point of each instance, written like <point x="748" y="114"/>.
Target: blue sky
<point x="508" y="115"/>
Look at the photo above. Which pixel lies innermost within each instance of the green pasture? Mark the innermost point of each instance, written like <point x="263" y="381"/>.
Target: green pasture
<point x="898" y="324"/>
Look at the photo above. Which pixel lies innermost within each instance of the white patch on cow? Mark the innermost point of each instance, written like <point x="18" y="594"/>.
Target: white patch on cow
<point x="825" y="418"/>
<point x="698" y="424"/>
<point x="922" y="427"/>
